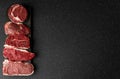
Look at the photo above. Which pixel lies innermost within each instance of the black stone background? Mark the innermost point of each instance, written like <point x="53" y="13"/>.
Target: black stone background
<point x="71" y="39"/>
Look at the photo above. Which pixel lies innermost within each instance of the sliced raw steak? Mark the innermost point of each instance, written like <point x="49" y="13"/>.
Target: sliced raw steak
<point x="17" y="13"/>
<point x="17" y="41"/>
<point x="17" y="68"/>
<point x="13" y="29"/>
<point x="17" y="54"/>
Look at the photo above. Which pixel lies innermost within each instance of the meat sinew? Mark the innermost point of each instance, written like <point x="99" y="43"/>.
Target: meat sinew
<point x="17" y="68"/>
<point x="13" y="29"/>
<point x="17" y="54"/>
<point x="17" y="13"/>
<point x="17" y="41"/>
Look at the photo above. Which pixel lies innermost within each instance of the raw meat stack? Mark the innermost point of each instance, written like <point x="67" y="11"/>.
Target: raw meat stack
<point x="16" y="54"/>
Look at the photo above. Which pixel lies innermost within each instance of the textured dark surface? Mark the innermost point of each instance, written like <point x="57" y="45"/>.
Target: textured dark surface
<point x="71" y="40"/>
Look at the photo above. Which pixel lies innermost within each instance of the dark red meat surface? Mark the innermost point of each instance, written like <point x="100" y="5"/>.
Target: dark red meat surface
<point x="17" y="13"/>
<point x="18" y="41"/>
<point x="17" y="55"/>
<point x="13" y="29"/>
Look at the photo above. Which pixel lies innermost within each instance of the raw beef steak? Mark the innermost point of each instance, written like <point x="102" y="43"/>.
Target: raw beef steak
<point x="17" y="54"/>
<point x="18" y="41"/>
<point x="17" y="68"/>
<point x="13" y="29"/>
<point x="17" y="13"/>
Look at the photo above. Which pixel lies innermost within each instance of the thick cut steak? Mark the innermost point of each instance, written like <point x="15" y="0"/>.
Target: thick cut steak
<point x="13" y="29"/>
<point x="17" y="13"/>
<point x="17" y="68"/>
<point x="18" y="41"/>
<point x="17" y="54"/>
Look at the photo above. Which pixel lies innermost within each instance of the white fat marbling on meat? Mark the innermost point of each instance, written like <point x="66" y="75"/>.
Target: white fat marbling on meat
<point x="16" y="17"/>
<point x="8" y="46"/>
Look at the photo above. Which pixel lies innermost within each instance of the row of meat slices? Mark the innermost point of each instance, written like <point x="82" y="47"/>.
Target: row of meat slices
<point x="15" y="51"/>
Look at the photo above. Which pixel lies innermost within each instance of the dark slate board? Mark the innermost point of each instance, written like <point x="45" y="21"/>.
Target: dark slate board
<point x="71" y="39"/>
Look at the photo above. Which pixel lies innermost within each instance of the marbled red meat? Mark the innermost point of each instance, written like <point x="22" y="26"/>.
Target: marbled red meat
<point x="17" y="68"/>
<point x="17" y="13"/>
<point x="13" y="29"/>
<point x="17" y="57"/>
<point x="17" y="41"/>
<point x="17" y="54"/>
